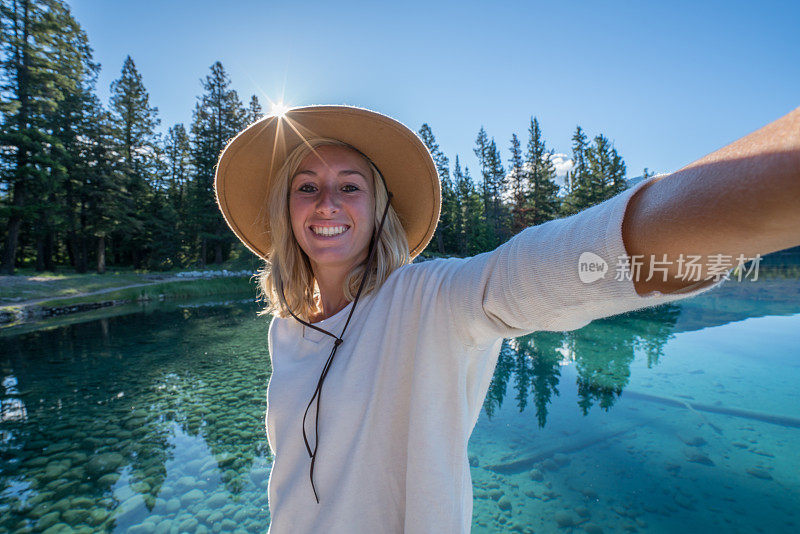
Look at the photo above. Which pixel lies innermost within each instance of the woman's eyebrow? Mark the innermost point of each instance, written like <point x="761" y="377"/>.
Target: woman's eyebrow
<point x="349" y="172"/>
<point x="345" y="172"/>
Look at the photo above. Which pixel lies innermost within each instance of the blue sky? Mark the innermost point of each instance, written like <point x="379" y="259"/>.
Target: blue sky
<point x="667" y="82"/>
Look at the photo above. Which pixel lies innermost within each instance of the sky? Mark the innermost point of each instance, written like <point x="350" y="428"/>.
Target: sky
<point x="666" y="82"/>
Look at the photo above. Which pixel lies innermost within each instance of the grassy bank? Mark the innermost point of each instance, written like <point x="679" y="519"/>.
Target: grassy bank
<point x="172" y="289"/>
<point x="30" y="286"/>
<point x="165" y="290"/>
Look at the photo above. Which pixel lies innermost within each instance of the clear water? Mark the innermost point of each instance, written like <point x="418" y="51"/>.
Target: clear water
<point x="150" y="422"/>
<point x="680" y="419"/>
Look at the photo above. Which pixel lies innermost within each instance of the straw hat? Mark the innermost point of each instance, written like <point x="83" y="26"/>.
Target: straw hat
<point x="250" y="161"/>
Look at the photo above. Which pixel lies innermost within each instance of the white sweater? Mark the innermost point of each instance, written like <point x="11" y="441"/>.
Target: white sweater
<point x="407" y="384"/>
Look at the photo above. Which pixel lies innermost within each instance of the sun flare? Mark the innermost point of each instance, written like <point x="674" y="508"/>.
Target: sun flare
<point x="279" y="109"/>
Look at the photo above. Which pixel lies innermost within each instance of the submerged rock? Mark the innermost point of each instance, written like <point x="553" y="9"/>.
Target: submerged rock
<point x="129" y="509"/>
<point x="549" y="465"/>
<point x="59" y="528"/>
<point x="75" y="516"/>
<point x="698" y="457"/>
<point x="173" y="505"/>
<point x="582" y="511"/>
<point x="48" y="520"/>
<point x="504" y="503"/>
<point x="564" y="519"/>
<point x="550" y="495"/>
<point x="188" y="525"/>
<point x="561" y="459"/>
<point x="104" y="463"/>
<point x="759" y="473"/>
<point x="192" y="497"/>
<point x="218" y="500"/>
<point x="695" y="441"/>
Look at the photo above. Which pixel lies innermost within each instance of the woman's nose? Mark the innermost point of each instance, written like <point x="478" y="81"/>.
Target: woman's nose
<point x="328" y="200"/>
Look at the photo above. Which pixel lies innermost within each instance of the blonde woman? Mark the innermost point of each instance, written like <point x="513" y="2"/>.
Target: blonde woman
<point x="339" y="200"/>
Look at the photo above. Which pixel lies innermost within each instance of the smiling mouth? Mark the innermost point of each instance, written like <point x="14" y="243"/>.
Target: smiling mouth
<point x="329" y="231"/>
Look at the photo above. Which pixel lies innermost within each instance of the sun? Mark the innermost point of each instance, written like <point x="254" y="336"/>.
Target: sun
<point x="279" y="109"/>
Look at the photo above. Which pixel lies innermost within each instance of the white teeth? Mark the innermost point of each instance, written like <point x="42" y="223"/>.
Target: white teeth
<point x="329" y="231"/>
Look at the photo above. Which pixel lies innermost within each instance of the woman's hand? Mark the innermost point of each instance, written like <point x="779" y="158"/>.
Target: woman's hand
<point x="740" y="201"/>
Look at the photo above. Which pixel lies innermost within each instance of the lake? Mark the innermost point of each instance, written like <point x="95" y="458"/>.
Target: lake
<point x="680" y="418"/>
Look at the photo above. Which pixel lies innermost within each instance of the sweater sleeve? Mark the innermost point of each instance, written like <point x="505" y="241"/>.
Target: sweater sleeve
<point x="532" y="282"/>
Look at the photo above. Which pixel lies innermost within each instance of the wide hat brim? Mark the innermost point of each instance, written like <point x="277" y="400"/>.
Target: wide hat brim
<point x="250" y="161"/>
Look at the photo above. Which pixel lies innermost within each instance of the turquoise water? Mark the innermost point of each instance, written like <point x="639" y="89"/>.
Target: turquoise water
<point x="684" y="419"/>
<point x="150" y="422"/>
<point x="680" y="419"/>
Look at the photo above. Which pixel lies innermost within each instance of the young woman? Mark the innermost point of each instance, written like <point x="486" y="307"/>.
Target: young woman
<point x="339" y="200"/>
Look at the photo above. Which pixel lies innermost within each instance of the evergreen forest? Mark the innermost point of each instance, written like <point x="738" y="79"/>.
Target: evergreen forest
<point x="86" y="185"/>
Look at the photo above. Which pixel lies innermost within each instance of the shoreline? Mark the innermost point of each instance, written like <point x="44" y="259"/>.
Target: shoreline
<point x="173" y="287"/>
<point x="15" y="312"/>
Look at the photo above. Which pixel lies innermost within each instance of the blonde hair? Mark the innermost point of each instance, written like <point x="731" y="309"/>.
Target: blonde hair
<point x="288" y="267"/>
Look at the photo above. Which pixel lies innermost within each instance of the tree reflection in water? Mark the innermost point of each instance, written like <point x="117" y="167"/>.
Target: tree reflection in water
<point x="602" y="353"/>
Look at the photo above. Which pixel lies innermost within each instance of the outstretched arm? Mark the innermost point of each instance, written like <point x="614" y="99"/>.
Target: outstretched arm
<point x="743" y="199"/>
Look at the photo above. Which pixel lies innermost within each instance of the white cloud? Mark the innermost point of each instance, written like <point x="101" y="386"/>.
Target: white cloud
<point x="562" y="163"/>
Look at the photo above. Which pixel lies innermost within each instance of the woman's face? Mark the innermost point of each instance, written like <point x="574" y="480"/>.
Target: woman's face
<point x="331" y="206"/>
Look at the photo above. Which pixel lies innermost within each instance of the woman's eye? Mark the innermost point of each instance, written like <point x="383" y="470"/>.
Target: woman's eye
<point x="310" y="188"/>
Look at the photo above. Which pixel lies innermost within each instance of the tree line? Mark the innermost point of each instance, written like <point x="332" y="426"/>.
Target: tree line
<point x="507" y="199"/>
<point x="87" y="184"/>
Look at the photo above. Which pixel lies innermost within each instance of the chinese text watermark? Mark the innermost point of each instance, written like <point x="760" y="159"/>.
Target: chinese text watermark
<point x="685" y="267"/>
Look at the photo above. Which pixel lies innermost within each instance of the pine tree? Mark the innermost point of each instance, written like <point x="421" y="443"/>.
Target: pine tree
<point x="598" y="173"/>
<point x="479" y="237"/>
<point x="71" y="124"/>
<point x="161" y="229"/>
<point x="218" y="116"/>
<point x="134" y="122"/>
<point x="133" y="117"/>
<point x="578" y="178"/>
<point x="518" y="186"/>
<point x="497" y="217"/>
<point x="542" y="188"/>
<point x="461" y="190"/>
<point x="254" y="110"/>
<point x="178" y="157"/>
<point x="617" y="172"/>
<point x="29" y="91"/>
<point x="178" y="154"/>
<point x="106" y="197"/>
<point x="598" y="159"/>
<point x="444" y="235"/>
<point x="606" y="170"/>
<point x="481" y="151"/>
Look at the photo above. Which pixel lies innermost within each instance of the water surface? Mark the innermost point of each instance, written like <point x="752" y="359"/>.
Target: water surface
<point x="684" y="418"/>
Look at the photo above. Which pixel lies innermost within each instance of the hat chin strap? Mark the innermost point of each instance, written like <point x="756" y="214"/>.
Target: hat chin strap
<point x="337" y="341"/>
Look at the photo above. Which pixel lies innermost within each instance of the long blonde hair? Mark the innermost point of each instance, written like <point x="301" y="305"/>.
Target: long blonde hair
<point x="289" y="268"/>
